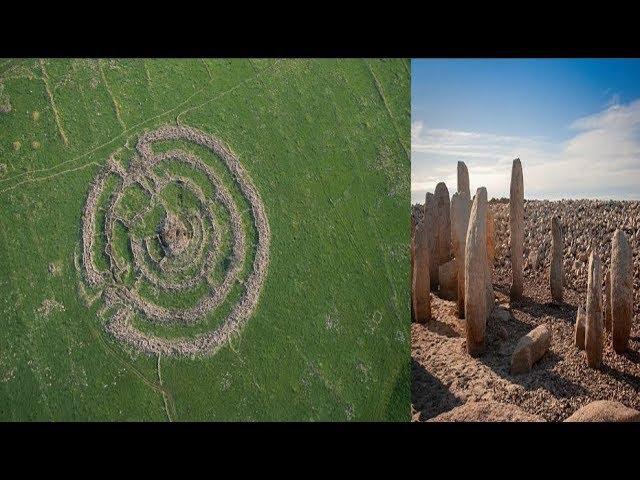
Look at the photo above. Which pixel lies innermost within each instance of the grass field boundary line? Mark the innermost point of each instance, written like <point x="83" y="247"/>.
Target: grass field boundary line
<point x="56" y="113"/>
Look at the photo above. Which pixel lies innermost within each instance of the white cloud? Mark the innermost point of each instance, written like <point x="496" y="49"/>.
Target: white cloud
<point x="602" y="158"/>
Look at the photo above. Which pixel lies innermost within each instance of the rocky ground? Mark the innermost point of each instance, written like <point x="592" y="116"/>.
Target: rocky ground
<point x="444" y="376"/>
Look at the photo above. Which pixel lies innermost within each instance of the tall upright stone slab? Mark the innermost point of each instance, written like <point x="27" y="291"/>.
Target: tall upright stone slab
<point x="421" y="287"/>
<point x="579" y="328"/>
<point x="443" y="205"/>
<point x="516" y="224"/>
<point x="621" y="291"/>
<point x="430" y="217"/>
<point x="490" y="260"/>
<point x="491" y="238"/>
<point x="594" y="336"/>
<point x="413" y="257"/>
<point x="606" y="314"/>
<point x="463" y="179"/>
<point x="556" y="274"/>
<point x="475" y="271"/>
<point x="460" y="210"/>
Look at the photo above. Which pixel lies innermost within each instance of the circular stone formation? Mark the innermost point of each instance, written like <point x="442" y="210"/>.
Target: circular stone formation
<point x="188" y="244"/>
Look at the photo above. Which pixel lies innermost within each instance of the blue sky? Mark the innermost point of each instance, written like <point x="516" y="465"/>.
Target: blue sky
<point x="574" y="123"/>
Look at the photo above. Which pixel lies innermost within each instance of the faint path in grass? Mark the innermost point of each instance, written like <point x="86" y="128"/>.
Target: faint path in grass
<point x="208" y="70"/>
<point x="386" y="106"/>
<point x="56" y="113"/>
<point x="164" y="394"/>
<point x="130" y="367"/>
<point x="236" y="86"/>
<point x="31" y="174"/>
<point x="116" y="105"/>
<point x="374" y="226"/>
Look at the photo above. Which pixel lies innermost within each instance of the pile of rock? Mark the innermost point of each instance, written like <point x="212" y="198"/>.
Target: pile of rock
<point x="585" y="224"/>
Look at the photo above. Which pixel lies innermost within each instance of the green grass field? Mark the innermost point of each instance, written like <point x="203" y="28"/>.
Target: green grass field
<point x="326" y="144"/>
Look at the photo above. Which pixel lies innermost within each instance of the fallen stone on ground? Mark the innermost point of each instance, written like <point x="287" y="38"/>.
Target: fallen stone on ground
<point x="605" y="411"/>
<point x="530" y="349"/>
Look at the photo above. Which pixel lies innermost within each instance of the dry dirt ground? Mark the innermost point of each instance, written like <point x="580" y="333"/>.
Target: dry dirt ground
<point x="444" y="376"/>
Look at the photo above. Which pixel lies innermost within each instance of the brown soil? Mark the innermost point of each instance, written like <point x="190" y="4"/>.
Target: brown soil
<point x="444" y="376"/>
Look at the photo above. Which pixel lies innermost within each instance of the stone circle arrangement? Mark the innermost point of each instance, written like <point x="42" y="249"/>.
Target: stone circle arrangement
<point x="200" y="247"/>
<point x="453" y="252"/>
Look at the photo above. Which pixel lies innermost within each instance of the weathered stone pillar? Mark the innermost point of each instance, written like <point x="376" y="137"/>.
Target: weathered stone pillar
<point x="594" y="341"/>
<point x="421" y="288"/>
<point x="413" y="256"/>
<point x="460" y="210"/>
<point x="555" y="272"/>
<point x="607" y="301"/>
<point x="490" y="260"/>
<point x="475" y="271"/>
<point x="491" y="238"/>
<point x="516" y="223"/>
<point x="430" y="217"/>
<point x="621" y="291"/>
<point x="444" y="223"/>
<point x="579" y="328"/>
<point x="463" y="179"/>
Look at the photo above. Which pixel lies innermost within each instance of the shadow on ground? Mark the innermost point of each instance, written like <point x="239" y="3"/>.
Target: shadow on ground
<point x="502" y="339"/>
<point x="428" y="395"/>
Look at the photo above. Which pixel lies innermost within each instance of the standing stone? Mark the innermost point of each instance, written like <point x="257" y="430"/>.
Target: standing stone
<point x="413" y="256"/>
<point x="421" y="288"/>
<point x="475" y="271"/>
<point x="594" y="341"/>
<point x="555" y="272"/>
<point x="430" y="217"/>
<point x="488" y="291"/>
<point x="448" y="276"/>
<point x="444" y="223"/>
<point x="463" y="179"/>
<point x="460" y="210"/>
<point x="491" y="238"/>
<point x="621" y="291"/>
<point x="579" y="328"/>
<point x="607" y="302"/>
<point x="516" y="223"/>
<point x="490" y="258"/>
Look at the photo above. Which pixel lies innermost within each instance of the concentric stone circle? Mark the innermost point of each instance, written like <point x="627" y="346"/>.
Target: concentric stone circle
<point x="188" y="250"/>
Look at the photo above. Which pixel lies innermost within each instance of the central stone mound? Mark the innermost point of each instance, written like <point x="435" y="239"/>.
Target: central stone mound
<point x="174" y="236"/>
